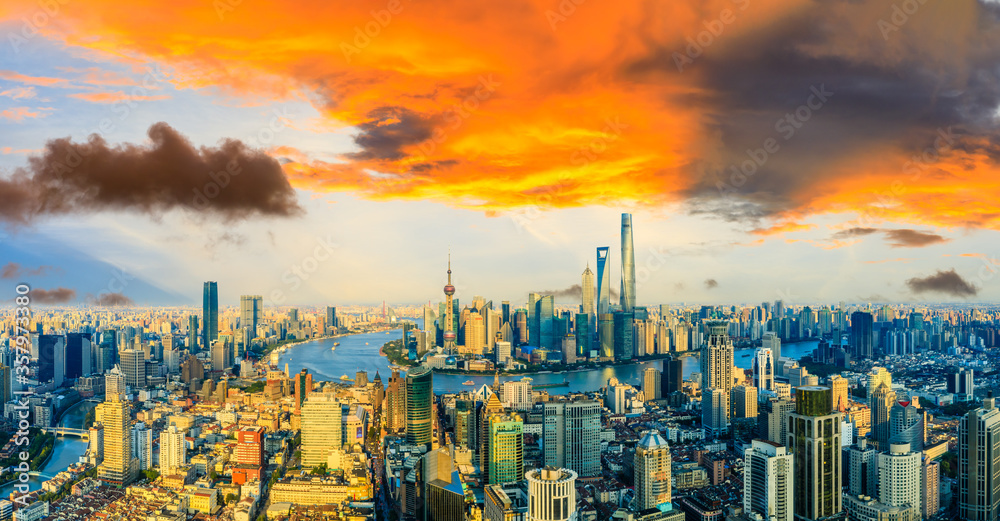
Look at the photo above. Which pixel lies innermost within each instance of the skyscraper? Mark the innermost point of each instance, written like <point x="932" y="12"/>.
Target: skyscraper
<point x="587" y="293"/>
<point x="302" y="385"/>
<point x="485" y="412"/>
<point x="906" y="424"/>
<point x="603" y="281"/>
<point x="624" y="341"/>
<point x="814" y="439"/>
<point x="862" y="469"/>
<point x="651" y="386"/>
<point x="251" y="307"/>
<point x="118" y="468"/>
<point x="628" y="265"/>
<point x="763" y="369"/>
<point x="672" y="377"/>
<point x="331" y="317"/>
<point x="862" y="335"/>
<point x="134" y="368"/>
<point x="652" y="471"/>
<point x="880" y="403"/>
<point x="449" y="315"/>
<point x="210" y="313"/>
<point x="506" y="448"/>
<point x="419" y="405"/>
<point x="899" y="478"/>
<point x="979" y="463"/>
<point x="744" y="401"/>
<point x="771" y="341"/>
<point x="173" y="450"/>
<point x="717" y="375"/>
<point x="192" y="334"/>
<point x="961" y="383"/>
<point x="571" y="436"/>
<point x="321" y="428"/>
<point x="551" y="494"/>
<point x="839" y="387"/>
<point x="767" y="481"/>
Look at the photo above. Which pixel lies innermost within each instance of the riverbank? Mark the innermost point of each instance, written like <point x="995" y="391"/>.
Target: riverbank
<point x="562" y="368"/>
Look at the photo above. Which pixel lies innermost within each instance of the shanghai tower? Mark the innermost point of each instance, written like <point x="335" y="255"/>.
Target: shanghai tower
<point x="628" y="265"/>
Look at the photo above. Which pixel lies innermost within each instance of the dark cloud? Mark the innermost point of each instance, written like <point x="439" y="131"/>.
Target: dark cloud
<point x="388" y="130"/>
<point x="854" y="232"/>
<point x="231" y="180"/>
<point x="913" y="238"/>
<point x="52" y="296"/>
<point x="574" y="292"/>
<point x="13" y="270"/>
<point x="946" y="282"/>
<point x="882" y="92"/>
<point x="711" y="284"/>
<point x="109" y="300"/>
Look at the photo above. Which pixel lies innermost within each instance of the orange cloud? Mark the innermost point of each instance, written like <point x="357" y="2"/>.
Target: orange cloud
<point x="40" y="81"/>
<point x="521" y="103"/>
<point x="20" y="113"/>
<point x="114" y="97"/>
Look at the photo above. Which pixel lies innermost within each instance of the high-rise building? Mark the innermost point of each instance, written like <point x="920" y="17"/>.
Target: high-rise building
<point x="448" y="326"/>
<point x="651" y="385"/>
<point x="862" y="469"/>
<point x="322" y="428"/>
<point x="517" y="394"/>
<point x="839" y="387"/>
<point x="745" y="401"/>
<point x="571" y="436"/>
<point x="142" y="446"/>
<point x="584" y="334"/>
<point x="717" y="375"/>
<point x="628" y="265"/>
<point x="419" y="405"/>
<point x="490" y="408"/>
<point x="961" y="383"/>
<point x="587" y="304"/>
<point x="506" y="448"/>
<point x="767" y="481"/>
<point x="134" y="368"/>
<point x="301" y="387"/>
<point x="606" y="335"/>
<point x="551" y="494"/>
<point x="862" y="335"/>
<point x="251" y="307"/>
<point x="331" y="317"/>
<point x="624" y="339"/>
<point x="907" y="424"/>
<point x="222" y="358"/>
<point x="78" y="355"/>
<point x="979" y="463"/>
<point x="772" y="341"/>
<point x="395" y="403"/>
<point x="173" y="450"/>
<point x="544" y="315"/>
<point x="763" y="370"/>
<point x="930" y="482"/>
<point x="880" y="403"/>
<point x="603" y="281"/>
<point x="118" y="468"/>
<point x="652" y="471"/>
<point x="192" y="334"/>
<point x="114" y="383"/>
<point x="672" y="377"/>
<point x="814" y="440"/>
<point x="210" y="313"/>
<point x="899" y="478"/>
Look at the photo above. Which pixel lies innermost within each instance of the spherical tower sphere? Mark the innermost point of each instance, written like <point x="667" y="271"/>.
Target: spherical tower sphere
<point x="450" y="336"/>
<point x="449" y="290"/>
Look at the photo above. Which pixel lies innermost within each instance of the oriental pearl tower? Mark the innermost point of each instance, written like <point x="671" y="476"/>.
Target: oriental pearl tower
<point x="449" y="319"/>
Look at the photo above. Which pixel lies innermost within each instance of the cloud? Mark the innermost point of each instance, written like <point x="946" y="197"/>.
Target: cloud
<point x="231" y="180"/>
<point x="18" y="114"/>
<point x="883" y="261"/>
<point x="40" y="81"/>
<point x="597" y="112"/>
<point x="115" y="97"/>
<point x="711" y="284"/>
<point x="854" y="232"/>
<point x="945" y="282"/>
<point x="19" y="93"/>
<point x="55" y="296"/>
<point x="13" y="270"/>
<point x="913" y="238"/>
<point x="109" y="300"/>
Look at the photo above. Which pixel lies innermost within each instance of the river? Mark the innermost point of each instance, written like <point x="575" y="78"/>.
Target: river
<point x="361" y="352"/>
<point x="67" y="450"/>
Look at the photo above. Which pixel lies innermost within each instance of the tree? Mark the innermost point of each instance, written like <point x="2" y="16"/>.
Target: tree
<point x="151" y="474"/>
<point x="213" y="475"/>
<point x="319" y="470"/>
<point x="230" y="498"/>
